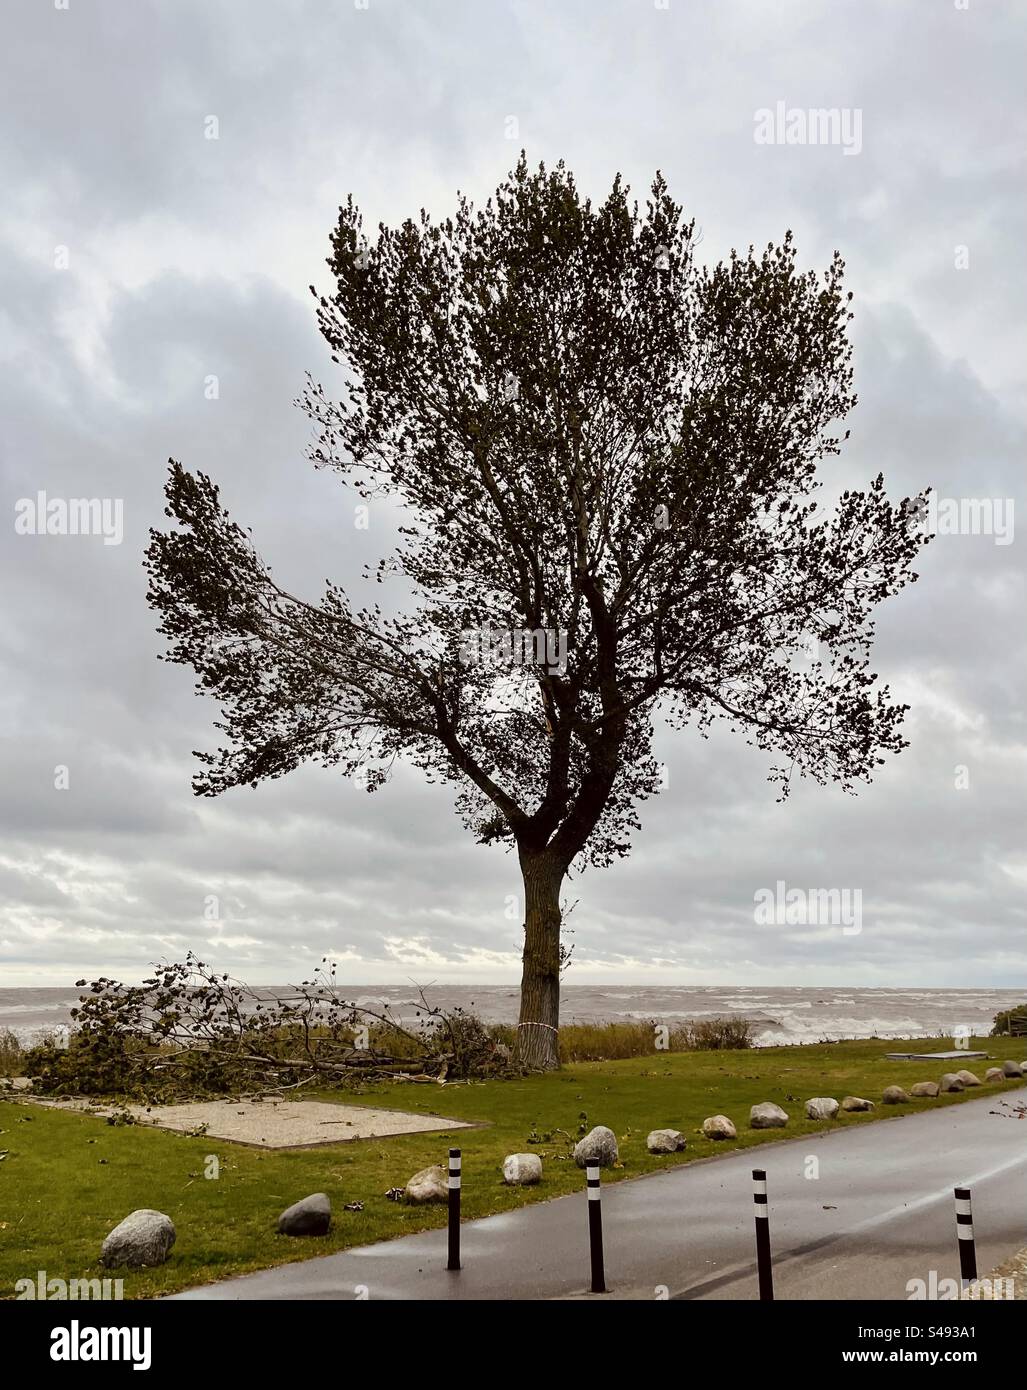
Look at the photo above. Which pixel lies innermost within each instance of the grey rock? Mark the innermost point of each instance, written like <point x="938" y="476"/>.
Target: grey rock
<point x="598" y="1146"/>
<point x="143" y="1240"/>
<point x="951" y="1082"/>
<point x="925" y="1088"/>
<point x="429" y="1185"/>
<point x="522" y="1170"/>
<point x="719" y="1127"/>
<point x="665" y="1141"/>
<point x="767" y="1115"/>
<point x="994" y="1074"/>
<point x="857" y="1103"/>
<point x="968" y="1078"/>
<point x="894" y="1095"/>
<point x="1012" y="1069"/>
<point x="821" y="1108"/>
<point x="310" y="1217"/>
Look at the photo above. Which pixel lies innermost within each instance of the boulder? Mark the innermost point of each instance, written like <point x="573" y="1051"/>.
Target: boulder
<point x="821" y="1108"/>
<point x="598" y="1146"/>
<point x="522" y="1170"/>
<point x="994" y="1074"/>
<point x="925" y="1088"/>
<point x="767" y="1115"/>
<point x="310" y="1217"/>
<point x="143" y="1240"/>
<point x="951" y="1082"/>
<point x="968" y="1078"/>
<point x="857" y="1103"/>
<point x="719" y="1127"/>
<point x="665" y="1141"/>
<point x="1012" y="1069"/>
<point x="429" y="1185"/>
<point x="894" y="1095"/>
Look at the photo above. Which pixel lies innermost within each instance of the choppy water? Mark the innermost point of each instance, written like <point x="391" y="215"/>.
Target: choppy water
<point x="779" y="1015"/>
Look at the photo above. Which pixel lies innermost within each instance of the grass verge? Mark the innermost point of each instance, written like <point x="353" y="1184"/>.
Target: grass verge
<point x="67" y="1178"/>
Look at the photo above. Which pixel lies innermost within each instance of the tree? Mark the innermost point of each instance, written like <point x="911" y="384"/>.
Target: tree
<point x="608" y="456"/>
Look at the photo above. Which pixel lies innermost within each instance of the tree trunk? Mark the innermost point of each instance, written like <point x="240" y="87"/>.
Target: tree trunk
<point x="537" y="1030"/>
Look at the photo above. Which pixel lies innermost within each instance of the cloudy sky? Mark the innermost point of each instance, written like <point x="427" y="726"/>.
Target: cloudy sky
<point x="141" y="258"/>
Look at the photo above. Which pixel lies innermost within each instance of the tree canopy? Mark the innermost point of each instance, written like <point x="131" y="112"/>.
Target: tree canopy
<point x="608" y="457"/>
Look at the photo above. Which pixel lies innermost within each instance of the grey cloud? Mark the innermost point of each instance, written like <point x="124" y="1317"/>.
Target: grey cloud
<point x="190" y="258"/>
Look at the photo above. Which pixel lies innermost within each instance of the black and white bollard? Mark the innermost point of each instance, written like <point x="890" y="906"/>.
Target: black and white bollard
<point x="763" y="1265"/>
<point x="454" y="1209"/>
<point x="965" y="1234"/>
<point x="595" y="1228"/>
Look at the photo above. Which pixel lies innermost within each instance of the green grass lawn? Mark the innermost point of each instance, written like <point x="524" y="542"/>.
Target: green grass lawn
<point x="69" y="1178"/>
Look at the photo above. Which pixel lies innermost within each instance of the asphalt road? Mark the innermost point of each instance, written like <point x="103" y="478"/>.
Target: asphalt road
<point x="879" y="1213"/>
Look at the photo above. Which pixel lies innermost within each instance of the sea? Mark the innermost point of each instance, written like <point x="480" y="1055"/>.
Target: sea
<point x="778" y="1015"/>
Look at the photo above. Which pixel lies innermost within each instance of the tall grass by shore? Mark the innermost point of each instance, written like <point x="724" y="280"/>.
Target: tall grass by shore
<point x="610" y="1042"/>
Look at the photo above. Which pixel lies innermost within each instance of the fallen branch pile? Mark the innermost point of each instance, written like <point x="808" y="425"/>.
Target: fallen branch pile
<point x="190" y="1030"/>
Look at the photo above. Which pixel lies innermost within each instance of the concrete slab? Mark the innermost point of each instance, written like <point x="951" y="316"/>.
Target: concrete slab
<point x="275" y="1124"/>
<point x="935" y="1056"/>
